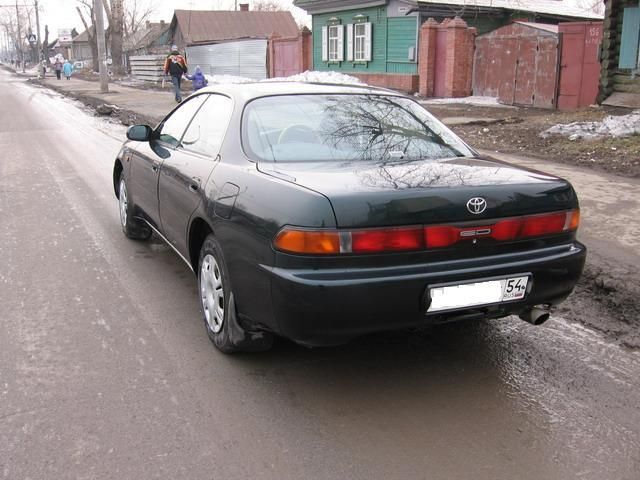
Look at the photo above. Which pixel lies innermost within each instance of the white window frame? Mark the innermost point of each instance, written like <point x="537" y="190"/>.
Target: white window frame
<point x="359" y="42"/>
<point x="362" y="42"/>
<point x="335" y="43"/>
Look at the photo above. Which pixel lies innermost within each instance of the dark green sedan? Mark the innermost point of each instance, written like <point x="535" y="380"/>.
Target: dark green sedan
<point x="323" y="212"/>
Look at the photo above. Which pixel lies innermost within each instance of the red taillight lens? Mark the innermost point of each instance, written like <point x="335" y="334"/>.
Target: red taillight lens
<point x="380" y="240"/>
<point x="537" y="225"/>
<point x="441" y="236"/>
<point x="387" y="240"/>
<point x="506" y="230"/>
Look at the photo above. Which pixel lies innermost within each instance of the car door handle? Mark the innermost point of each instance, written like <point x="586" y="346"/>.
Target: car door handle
<point x="155" y="167"/>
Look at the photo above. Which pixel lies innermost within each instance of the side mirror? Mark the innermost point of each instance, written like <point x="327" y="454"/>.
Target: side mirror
<point x="139" y="133"/>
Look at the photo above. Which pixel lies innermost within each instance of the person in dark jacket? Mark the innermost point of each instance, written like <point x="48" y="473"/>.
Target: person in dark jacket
<point x="198" y="80"/>
<point x="176" y="66"/>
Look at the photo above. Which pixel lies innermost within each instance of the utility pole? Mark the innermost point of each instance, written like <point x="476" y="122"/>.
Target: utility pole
<point x="102" y="53"/>
<point x="38" y="42"/>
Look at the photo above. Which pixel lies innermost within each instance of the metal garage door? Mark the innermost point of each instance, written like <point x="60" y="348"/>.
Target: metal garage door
<point x="243" y="58"/>
<point x="518" y="64"/>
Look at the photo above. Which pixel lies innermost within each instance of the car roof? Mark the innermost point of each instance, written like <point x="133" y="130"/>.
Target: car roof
<point x="249" y="91"/>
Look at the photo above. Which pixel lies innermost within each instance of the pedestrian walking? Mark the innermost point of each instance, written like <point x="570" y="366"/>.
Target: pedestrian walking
<point x="67" y="68"/>
<point x="176" y="66"/>
<point x="57" y="67"/>
<point x="44" y="68"/>
<point x="198" y="80"/>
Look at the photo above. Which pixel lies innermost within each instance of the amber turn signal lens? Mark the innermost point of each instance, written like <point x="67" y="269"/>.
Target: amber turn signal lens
<point x="575" y="220"/>
<point x="307" y="241"/>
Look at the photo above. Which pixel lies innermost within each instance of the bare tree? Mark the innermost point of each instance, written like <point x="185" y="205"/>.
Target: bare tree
<point x="267" y="6"/>
<point x="115" y="14"/>
<point x="136" y="14"/>
<point x="87" y="7"/>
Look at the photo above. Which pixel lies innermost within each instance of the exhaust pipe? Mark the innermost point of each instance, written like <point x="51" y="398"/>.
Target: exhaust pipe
<point x="536" y="315"/>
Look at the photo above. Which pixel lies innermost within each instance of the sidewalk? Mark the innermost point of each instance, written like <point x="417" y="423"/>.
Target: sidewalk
<point x="150" y="105"/>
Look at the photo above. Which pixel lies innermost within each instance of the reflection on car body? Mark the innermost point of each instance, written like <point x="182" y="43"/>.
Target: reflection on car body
<point x="322" y="212"/>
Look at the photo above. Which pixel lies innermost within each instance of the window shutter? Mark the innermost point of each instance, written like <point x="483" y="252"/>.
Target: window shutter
<point x="341" y="43"/>
<point x="367" y="41"/>
<point x="350" y="42"/>
<point x="325" y="44"/>
<point x="630" y="38"/>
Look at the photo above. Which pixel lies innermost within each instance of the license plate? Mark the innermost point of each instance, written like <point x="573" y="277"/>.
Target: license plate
<point x="479" y="293"/>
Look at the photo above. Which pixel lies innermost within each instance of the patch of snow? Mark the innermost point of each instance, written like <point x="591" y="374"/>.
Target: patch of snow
<point x="475" y="100"/>
<point x="319" y="77"/>
<point x="611" y="126"/>
<point x="308" y="76"/>
<point x="226" y="79"/>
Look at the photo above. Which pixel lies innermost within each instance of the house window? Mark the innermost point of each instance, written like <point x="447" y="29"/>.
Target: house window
<point x="360" y="35"/>
<point x="333" y="42"/>
<point x="359" y="42"/>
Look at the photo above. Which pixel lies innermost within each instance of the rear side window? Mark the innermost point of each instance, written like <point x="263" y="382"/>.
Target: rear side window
<point x="345" y="127"/>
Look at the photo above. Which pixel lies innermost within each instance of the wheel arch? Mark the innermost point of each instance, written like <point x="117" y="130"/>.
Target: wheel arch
<point x="117" y="171"/>
<point x="198" y="232"/>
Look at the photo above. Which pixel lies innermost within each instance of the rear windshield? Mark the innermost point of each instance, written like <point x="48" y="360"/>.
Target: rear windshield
<point x="315" y="128"/>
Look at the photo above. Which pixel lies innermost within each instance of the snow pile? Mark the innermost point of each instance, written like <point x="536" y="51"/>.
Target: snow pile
<point x="319" y="77"/>
<point x="226" y="79"/>
<point x="316" y="77"/>
<point x="473" y="100"/>
<point x="611" y="126"/>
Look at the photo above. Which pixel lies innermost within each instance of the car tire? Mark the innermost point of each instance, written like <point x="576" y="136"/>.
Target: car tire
<point x="217" y="304"/>
<point x="131" y="227"/>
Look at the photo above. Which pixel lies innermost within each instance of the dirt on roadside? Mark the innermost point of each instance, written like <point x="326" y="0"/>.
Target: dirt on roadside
<point x="517" y="131"/>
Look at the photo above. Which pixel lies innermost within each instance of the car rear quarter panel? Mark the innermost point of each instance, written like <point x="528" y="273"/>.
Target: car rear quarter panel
<point x="264" y="204"/>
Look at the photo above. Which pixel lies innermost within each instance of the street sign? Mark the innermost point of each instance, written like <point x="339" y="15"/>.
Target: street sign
<point x="31" y="38"/>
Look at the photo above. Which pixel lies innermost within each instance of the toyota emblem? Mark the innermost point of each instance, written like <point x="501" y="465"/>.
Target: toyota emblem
<point x="477" y="205"/>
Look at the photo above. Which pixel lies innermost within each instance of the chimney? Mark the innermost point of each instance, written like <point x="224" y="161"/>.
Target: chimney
<point x="244" y="7"/>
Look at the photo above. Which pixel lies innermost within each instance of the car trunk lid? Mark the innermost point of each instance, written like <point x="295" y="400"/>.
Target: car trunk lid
<point x="427" y="192"/>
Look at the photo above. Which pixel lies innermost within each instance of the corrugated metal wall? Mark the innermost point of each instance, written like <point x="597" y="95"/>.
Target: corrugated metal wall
<point x="242" y="58"/>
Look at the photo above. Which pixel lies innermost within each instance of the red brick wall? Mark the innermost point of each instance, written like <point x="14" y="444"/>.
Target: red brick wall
<point x="458" y="50"/>
<point x="403" y="82"/>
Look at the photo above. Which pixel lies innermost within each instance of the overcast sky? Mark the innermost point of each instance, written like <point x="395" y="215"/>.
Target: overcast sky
<point x="62" y="13"/>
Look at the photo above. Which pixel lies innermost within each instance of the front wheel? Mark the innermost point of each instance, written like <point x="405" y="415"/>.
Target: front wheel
<point x="218" y="305"/>
<point x="131" y="227"/>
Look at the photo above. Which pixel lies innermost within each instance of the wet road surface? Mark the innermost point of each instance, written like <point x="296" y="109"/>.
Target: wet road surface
<point x="106" y="370"/>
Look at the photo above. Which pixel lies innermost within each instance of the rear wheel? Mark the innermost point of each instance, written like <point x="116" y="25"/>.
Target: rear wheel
<point x="132" y="228"/>
<point x="218" y="304"/>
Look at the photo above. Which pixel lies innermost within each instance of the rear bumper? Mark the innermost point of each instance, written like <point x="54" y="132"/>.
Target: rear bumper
<point x="330" y="306"/>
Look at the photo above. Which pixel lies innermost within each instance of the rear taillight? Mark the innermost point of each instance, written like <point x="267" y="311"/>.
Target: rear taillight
<point x="402" y="239"/>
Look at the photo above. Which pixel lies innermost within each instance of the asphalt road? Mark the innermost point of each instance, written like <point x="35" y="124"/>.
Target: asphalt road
<point x="106" y="370"/>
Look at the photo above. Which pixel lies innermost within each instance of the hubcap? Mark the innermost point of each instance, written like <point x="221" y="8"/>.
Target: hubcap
<point x="124" y="203"/>
<point x="212" y="293"/>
